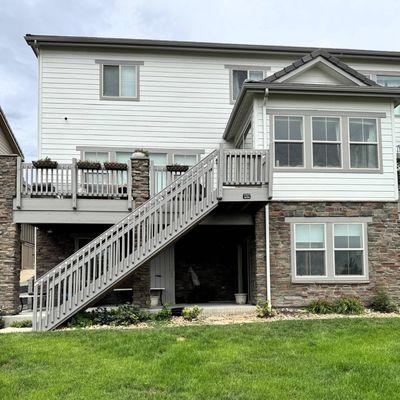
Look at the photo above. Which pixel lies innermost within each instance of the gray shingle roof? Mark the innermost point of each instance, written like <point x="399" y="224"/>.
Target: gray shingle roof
<point x="327" y="56"/>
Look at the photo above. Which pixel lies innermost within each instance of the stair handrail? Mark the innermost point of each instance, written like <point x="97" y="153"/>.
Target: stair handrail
<point x="135" y="212"/>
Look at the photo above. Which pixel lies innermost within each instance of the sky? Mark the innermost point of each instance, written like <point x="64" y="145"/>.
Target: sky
<point x="362" y="24"/>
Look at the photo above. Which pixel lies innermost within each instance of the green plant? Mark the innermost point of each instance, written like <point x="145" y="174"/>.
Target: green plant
<point x="164" y="314"/>
<point x="191" y="313"/>
<point x="2" y="323"/>
<point x="81" y="320"/>
<point x="348" y="305"/>
<point x="264" y="310"/>
<point x="145" y="152"/>
<point x="382" y="302"/>
<point x="320" y="306"/>
<point x="26" y="323"/>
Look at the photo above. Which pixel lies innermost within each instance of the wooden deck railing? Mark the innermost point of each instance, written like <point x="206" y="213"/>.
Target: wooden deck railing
<point x="68" y="181"/>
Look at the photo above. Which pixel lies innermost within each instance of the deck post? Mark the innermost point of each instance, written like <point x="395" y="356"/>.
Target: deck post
<point x="74" y="182"/>
<point x="129" y="186"/>
<point x="19" y="179"/>
<point x="220" y="177"/>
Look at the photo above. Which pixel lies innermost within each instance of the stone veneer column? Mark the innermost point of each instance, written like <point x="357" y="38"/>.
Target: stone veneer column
<point x="10" y="243"/>
<point x="140" y="194"/>
<point x="258" y="283"/>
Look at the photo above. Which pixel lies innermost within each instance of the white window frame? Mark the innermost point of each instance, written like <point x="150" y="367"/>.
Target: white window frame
<point x="364" y="250"/>
<point x="324" y="249"/>
<point x="376" y="143"/>
<point x="339" y="142"/>
<point x="302" y="167"/>
<point x="330" y="276"/>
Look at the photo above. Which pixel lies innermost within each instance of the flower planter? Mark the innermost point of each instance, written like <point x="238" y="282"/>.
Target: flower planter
<point x="154" y="300"/>
<point x="241" y="298"/>
<point x="115" y="166"/>
<point x="177" y="168"/>
<point x="88" y="165"/>
<point x="45" y="164"/>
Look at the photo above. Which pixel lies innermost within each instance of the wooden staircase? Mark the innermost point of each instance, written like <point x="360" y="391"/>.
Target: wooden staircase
<point x="95" y="269"/>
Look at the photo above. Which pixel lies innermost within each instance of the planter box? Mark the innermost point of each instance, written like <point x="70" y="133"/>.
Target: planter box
<point x="114" y="166"/>
<point x="177" y="168"/>
<point x="45" y="164"/>
<point x="88" y="165"/>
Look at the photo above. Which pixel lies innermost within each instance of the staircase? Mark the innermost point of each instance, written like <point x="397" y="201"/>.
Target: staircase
<point x="96" y="268"/>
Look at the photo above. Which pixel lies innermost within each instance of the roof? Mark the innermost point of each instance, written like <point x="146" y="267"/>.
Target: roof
<point x="8" y="133"/>
<point x="37" y="41"/>
<point x="312" y="56"/>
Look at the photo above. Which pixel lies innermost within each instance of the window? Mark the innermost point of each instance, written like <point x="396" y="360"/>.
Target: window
<point x="390" y="81"/>
<point x="120" y="81"/>
<point x="288" y="134"/>
<point x="363" y="143"/>
<point x="240" y="75"/>
<point x="96" y="156"/>
<point x="310" y="249"/>
<point x="185" y="159"/>
<point x="348" y="247"/>
<point x="331" y="249"/>
<point x="159" y="159"/>
<point x="122" y="157"/>
<point x="326" y="142"/>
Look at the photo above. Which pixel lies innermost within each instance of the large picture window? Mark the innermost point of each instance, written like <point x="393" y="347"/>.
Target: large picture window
<point x="326" y="142"/>
<point x="363" y="143"/>
<point x="289" y="141"/>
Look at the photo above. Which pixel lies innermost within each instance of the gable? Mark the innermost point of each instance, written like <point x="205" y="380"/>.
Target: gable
<point x="321" y="72"/>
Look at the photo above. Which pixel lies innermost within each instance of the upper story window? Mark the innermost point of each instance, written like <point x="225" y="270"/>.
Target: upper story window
<point x="363" y="143"/>
<point x="321" y="143"/>
<point x="240" y="75"/>
<point x="98" y="156"/>
<point x="289" y="141"/>
<point x="185" y="159"/>
<point x="326" y="142"/>
<point x="120" y="81"/>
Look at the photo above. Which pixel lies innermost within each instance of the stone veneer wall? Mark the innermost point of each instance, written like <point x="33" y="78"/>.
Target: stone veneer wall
<point x="257" y="270"/>
<point x="10" y="244"/>
<point x="383" y="251"/>
<point x="141" y="193"/>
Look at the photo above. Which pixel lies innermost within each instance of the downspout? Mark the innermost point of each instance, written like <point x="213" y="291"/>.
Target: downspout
<point x="267" y="254"/>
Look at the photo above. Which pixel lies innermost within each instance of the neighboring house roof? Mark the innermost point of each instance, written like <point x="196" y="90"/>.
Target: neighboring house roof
<point x="314" y="55"/>
<point x="8" y="133"/>
<point x="37" y="41"/>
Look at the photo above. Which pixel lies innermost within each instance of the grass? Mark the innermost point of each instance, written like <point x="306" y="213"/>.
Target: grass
<point x="319" y="359"/>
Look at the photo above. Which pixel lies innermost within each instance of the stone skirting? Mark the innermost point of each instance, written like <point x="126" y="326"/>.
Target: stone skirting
<point x="383" y="251"/>
<point x="10" y="243"/>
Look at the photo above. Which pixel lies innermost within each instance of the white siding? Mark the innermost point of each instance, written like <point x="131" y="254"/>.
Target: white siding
<point x="5" y="148"/>
<point x="184" y="102"/>
<point x="336" y="185"/>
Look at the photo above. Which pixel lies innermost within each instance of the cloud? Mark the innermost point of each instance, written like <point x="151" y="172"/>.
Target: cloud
<point x="334" y="23"/>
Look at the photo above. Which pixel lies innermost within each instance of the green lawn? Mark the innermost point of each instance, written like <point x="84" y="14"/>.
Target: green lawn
<point x="320" y="359"/>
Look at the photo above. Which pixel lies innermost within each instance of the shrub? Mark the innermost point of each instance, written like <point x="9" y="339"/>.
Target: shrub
<point x="264" y="310"/>
<point x="81" y="320"/>
<point x="320" y="307"/>
<point x="191" y="313"/>
<point x="164" y="314"/>
<point x="348" y="305"/>
<point x="382" y="302"/>
<point x="26" y="323"/>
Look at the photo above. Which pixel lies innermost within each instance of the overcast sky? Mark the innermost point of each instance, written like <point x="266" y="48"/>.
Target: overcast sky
<point x="364" y="24"/>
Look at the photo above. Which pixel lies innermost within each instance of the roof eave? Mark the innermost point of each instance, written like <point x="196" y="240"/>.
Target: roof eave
<point x="5" y="127"/>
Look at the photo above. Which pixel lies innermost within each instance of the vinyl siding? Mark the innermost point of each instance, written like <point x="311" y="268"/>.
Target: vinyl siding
<point x="5" y="148"/>
<point x="184" y="102"/>
<point x="335" y="185"/>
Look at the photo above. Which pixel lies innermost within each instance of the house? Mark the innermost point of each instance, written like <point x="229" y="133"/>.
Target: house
<point x="286" y="186"/>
